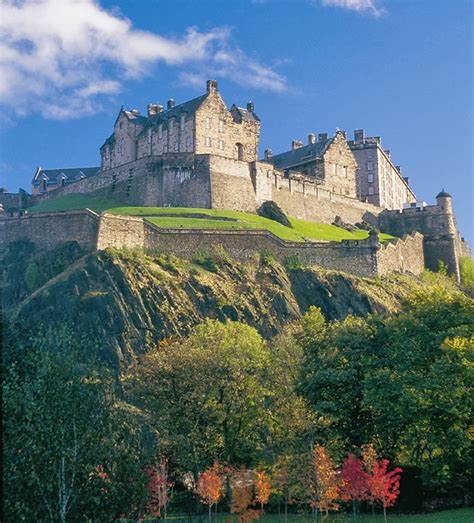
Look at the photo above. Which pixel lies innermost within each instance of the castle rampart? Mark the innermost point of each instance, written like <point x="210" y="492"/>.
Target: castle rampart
<point x="360" y="257"/>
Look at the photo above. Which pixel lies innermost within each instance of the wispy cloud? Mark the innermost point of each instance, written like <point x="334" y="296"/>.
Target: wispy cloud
<point x="370" y="7"/>
<point x="63" y="58"/>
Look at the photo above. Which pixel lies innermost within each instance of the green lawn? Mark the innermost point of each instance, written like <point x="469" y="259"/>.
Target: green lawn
<point x="465" y="515"/>
<point x="209" y="218"/>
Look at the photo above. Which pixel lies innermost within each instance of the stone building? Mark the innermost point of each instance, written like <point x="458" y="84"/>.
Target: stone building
<point x="46" y="180"/>
<point x="328" y="161"/>
<point x="203" y="125"/>
<point x="379" y="181"/>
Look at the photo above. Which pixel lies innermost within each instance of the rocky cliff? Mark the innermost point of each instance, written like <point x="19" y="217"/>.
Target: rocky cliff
<point x="121" y="302"/>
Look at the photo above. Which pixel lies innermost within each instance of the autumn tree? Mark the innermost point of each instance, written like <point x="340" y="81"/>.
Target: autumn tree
<point x="324" y="487"/>
<point x="354" y="481"/>
<point x="210" y="487"/>
<point x="262" y="488"/>
<point x="159" y="488"/>
<point x="242" y="499"/>
<point x="383" y="485"/>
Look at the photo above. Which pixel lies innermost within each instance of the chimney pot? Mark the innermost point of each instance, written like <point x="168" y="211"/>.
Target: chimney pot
<point x="296" y="144"/>
<point x="268" y="154"/>
<point x="359" y="135"/>
<point x="322" y="137"/>
<point x="211" y="86"/>
<point x="311" y="138"/>
<point x="387" y="152"/>
<point x="171" y="103"/>
<point x="250" y="107"/>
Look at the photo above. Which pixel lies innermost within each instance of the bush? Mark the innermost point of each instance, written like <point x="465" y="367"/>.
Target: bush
<point x="466" y="267"/>
<point x="293" y="262"/>
<point x="205" y="259"/>
<point x="267" y="258"/>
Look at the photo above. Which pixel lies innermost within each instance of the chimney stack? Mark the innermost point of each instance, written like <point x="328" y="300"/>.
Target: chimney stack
<point x="387" y="152"/>
<point x="171" y="103"/>
<point x="250" y="107"/>
<point x="296" y="144"/>
<point x="136" y="112"/>
<point x="322" y="137"/>
<point x="154" y="109"/>
<point x="311" y="139"/>
<point x="211" y="86"/>
<point x="359" y="135"/>
<point x="268" y="154"/>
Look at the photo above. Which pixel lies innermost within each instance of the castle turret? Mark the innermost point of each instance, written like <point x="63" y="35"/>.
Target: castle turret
<point x="444" y="200"/>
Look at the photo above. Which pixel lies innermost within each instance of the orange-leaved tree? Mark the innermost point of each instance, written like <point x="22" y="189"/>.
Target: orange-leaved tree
<point x="241" y="485"/>
<point x="262" y="488"/>
<point x="210" y="487"/>
<point x="324" y="485"/>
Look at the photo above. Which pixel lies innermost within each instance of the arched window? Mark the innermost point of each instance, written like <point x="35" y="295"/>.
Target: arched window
<point x="240" y="151"/>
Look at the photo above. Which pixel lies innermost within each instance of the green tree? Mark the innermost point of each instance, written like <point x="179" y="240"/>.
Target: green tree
<point x="71" y="448"/>
<point x="206" y="395"/>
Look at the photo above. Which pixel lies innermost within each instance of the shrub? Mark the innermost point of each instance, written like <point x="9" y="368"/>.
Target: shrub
<point x="466" y="267"/>
<point x="293" y="262"/>
<point x="205" y="259"/>
<point x="267" y="258"/>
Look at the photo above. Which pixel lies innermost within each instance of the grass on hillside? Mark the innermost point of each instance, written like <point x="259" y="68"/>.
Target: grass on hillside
<point x="209" y="218"/>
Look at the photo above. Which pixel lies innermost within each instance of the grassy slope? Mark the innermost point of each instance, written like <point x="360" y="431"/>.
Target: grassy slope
<point x="160" y="216"/>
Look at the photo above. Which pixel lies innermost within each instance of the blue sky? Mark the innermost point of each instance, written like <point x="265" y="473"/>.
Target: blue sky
<point x="400" y="69"/>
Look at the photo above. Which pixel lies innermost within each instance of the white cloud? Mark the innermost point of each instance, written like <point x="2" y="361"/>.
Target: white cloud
<point x="361" y="6"/>
<point x="62" y="57"/>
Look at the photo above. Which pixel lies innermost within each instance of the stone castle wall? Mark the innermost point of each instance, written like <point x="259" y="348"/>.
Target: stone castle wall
<point x="362" y="258"/>
<point x="50" y="229"/>
<point x="402" y="255"/>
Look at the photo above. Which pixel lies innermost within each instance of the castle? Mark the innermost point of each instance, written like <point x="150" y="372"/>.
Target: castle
<point x="202" y="154"/>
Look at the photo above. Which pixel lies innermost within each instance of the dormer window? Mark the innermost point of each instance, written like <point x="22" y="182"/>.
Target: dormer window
<point x="63" y="181"/>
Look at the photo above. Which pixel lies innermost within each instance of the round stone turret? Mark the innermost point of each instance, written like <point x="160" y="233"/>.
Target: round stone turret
<point x="443" y="200"/>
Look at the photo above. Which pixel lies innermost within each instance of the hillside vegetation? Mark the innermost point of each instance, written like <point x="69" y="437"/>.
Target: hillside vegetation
<point x="301" y="230"/>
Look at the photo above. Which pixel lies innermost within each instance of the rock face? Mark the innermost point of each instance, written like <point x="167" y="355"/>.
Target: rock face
<point x="120" y="303"/>
<point x="273" y="211"/>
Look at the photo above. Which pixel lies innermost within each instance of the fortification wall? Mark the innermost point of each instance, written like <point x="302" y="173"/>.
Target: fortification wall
<point x="354" y="257"/>
<point x="120" y="232"/>
<point x="306" y="200"/>
<point x="50" y="229"/>
<point x="402" y="255"/>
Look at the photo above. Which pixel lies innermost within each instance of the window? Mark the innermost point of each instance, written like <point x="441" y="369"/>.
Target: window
<point x="370" y="166"/>
<point x="188" y="141"/>
<point x="221" y="145"/>
<point x="333" y="168"/>
<point x="208" y="122"/>
<point x="160" y="131"/>
<point x="208" y="141"/>
<point x="221" y="126"/>
<point x="370" y="178"/>
<point x="182" y="122"/>
<point x="371" y="190"/>
<point x="107" y="152"/>
<point x="344" y="171"/>
<point x="120" y="125"/>
<point x="148" y="135"/>
<point x="63" y="181"/>
<point x="44" y="184"/>
<point x="122" y="146"/>
<point x="240" y="151"/>
<point x="171" y="126"/>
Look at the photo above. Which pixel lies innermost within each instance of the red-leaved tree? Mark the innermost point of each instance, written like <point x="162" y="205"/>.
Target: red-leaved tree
<point x="384" y="486"/>
<point x="158" y="488"/>
<point x="210" y="487"/>
<point x="355" y="481"/>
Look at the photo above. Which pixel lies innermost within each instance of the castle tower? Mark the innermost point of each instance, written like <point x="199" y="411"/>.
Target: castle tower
<point x="444" y="200"/>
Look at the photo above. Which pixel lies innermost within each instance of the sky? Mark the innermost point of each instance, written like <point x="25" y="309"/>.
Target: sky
<point x="400" y="69"/>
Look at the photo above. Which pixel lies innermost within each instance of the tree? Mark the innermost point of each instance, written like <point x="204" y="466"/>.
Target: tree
<point x="241" y="484"/>
<point x="210" y="487"/>
<point x="158" y="488"/>
<point x="69" y="444"/>
<point x="324" y="487"/>
<point x="262" y="488"/>
<point x="384" y="486"/>
<point x="354" y="481"/>
<point x="206" y="395"/>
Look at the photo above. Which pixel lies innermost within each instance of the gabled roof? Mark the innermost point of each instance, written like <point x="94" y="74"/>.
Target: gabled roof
<point x="189" y="107"/>
<point x="300" y="155"/>
<point x="244" y="114"/>
<point x="134" y="118"/>
<point x="70" y="175"/>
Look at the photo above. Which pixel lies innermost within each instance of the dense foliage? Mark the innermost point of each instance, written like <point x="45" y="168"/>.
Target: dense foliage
<point x="305" y="417"/>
